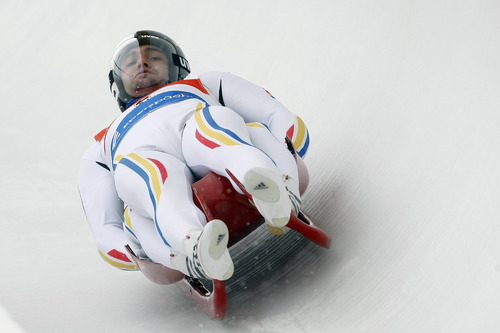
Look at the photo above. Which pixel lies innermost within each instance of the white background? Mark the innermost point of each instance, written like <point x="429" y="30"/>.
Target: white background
<point x="402" y="102"/>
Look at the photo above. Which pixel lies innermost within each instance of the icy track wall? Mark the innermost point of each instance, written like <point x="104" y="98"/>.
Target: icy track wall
<point x="401" y="100"/>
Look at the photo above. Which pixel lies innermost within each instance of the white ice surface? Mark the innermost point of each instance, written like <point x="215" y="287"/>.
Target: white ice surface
<point x="402" y="102"/>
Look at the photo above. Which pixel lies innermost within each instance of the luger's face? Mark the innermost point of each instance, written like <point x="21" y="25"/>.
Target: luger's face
<point x="144" y="70"/>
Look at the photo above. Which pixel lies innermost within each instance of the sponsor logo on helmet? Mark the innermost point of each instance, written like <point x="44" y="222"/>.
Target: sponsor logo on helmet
<point x="149" y="36"/>
<point x="181" y="62"/>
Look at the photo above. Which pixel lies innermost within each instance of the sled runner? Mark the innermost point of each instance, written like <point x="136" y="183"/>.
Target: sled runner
<point x="216" y="197"/>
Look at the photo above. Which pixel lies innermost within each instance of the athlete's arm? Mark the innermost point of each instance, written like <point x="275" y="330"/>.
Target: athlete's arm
<point x="256" y="104"/>
<point x="104" y="209"/>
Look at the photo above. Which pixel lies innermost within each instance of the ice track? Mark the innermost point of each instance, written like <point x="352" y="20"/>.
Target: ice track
<point x="401" y="100"/>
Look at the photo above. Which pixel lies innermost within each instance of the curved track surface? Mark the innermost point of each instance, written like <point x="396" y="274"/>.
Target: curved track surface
<point x="401" y="100"/>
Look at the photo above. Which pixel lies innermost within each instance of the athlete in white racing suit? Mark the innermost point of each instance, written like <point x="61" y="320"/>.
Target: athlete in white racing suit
<point x="176" y="128"/>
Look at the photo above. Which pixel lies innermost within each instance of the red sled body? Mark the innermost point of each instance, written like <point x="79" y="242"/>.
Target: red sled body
<point x="216" y="197"/>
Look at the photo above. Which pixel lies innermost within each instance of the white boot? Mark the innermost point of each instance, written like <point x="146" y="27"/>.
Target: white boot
<point x="270" y="195"/>
<point x="207" y="253"/>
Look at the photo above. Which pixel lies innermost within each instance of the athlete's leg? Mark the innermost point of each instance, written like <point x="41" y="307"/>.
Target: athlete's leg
<point x="262" y="138"/>
<point x="162" y="215"/>
<point x="217" y="138"/>
<point x="157" y="186"/>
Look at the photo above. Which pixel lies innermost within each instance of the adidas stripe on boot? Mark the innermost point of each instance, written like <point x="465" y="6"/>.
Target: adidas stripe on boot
<point x="270" y="195"/>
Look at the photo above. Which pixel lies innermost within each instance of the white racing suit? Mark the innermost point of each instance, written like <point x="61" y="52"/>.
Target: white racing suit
<point x="147" y="159"/>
